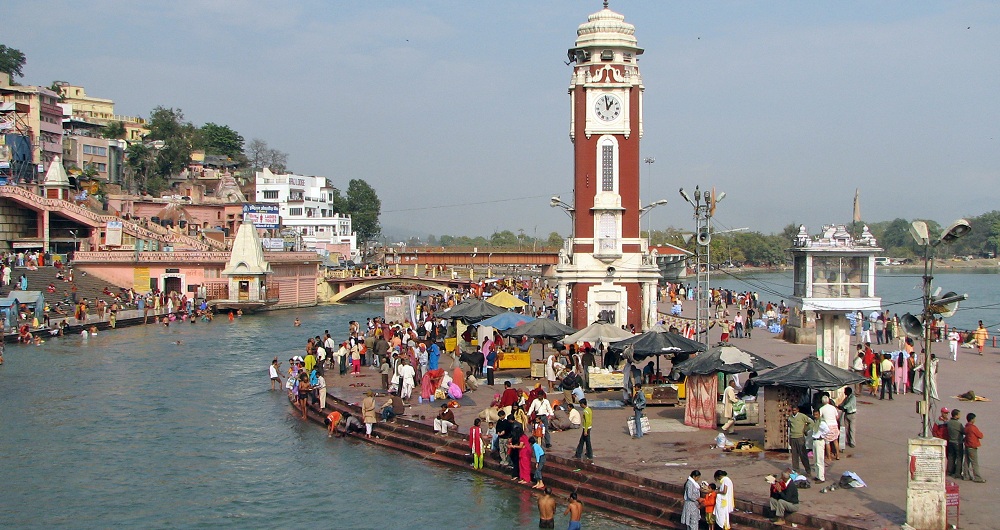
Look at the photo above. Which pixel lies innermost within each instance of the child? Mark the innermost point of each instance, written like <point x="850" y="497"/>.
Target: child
<point x="476" y="444"/>
<point x="539" y="454"/>
<point x="709" y="503"/>
<point x="491" y="436"/>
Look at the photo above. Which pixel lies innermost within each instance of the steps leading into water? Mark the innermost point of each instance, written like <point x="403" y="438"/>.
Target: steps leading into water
<point x="641" y="499"/>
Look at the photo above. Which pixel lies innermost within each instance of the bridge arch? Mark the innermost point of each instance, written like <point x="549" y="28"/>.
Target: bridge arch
<point x="363" y="286"/>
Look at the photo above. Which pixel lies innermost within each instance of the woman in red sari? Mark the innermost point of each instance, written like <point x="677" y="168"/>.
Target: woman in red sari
<point x="523" y="459"/>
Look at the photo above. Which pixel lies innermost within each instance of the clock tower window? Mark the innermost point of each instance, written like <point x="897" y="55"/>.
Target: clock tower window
<point x="607" y="168"/>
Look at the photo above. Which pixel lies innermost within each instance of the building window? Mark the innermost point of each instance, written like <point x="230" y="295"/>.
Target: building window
<point x="607" y="236"/>
<point x="270" y="194"/>
<point x="608" y="168"/>
<point x="95" y="150"/>
<point x="295" y="211"/>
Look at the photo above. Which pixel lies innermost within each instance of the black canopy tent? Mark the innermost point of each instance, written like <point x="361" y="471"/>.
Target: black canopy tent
<point x="786" y="386"/>
<point x="472" y="311"/>
<point x="726" y="359"/>
<point x="541" y="329"/>
<point x="810" y="373"/>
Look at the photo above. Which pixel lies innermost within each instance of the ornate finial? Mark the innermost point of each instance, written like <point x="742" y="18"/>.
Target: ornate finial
<point x="605" y="4"/>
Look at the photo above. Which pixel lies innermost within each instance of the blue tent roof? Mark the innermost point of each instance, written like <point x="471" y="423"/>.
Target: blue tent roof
<point x="506" y="320"/>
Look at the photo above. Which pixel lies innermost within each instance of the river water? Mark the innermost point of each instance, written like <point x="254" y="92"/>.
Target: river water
<point x="901" y="291"/>
<point x="130" y="429"/>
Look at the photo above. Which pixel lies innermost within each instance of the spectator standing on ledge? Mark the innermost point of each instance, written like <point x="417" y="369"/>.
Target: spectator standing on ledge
<point x="956" y="433"/>
<point x="973" y="439"/>
<point x="586" y="425"/>
<point x="638" y="405"/>
<point x="798" y="424"/>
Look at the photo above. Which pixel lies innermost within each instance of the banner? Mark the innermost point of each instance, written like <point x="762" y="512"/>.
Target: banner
<point x="113" y="234"/>
<point x="272" y="243"/>
<point x="261" y="215"/>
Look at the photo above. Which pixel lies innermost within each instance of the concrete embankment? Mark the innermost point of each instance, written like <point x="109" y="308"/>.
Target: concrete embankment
<point x="641" y="499"/>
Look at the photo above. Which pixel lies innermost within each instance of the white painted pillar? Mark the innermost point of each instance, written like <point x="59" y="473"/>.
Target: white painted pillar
<point x="561" y="302"/>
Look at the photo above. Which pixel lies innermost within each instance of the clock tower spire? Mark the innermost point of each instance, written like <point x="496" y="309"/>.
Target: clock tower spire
<point x="607" y="273"/>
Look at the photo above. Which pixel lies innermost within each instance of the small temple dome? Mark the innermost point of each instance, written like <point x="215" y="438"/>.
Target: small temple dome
<point x="607" y="29"/>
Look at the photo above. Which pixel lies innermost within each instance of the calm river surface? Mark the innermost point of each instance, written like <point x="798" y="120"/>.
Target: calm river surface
<point x="130" y="429"/>
<point x="901" y="292"/>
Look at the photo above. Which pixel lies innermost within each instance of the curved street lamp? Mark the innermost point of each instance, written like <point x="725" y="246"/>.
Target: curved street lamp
<point x="920" y="233"/>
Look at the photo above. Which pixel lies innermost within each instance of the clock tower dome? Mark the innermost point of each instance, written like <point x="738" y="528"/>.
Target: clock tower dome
<point x="606" y="272"/>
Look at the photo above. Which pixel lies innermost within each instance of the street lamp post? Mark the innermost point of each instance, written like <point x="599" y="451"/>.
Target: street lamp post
<point x="918" y="229"/>
<point x="643" y="211"/>
<point x="926" y="502"/>
<point x="704" y="208"/>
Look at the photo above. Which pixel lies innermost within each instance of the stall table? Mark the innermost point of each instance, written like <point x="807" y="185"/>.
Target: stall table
<point x="607" y="381"/>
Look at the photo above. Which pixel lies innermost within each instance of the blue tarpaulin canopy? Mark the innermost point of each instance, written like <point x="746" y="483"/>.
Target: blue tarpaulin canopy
<point x="506" y="320"/>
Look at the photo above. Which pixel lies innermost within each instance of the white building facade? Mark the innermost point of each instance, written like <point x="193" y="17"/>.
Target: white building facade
<point x="305" y="205"/>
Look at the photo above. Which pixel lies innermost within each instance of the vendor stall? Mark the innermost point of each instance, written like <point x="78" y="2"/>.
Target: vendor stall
<point x="786" y="387"/>
<point x="703" y="408"/>
<point x="657" y="344"/>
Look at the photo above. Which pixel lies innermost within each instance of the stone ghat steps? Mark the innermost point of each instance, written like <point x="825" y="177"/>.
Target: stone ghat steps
<point x="644" y="500"/>
<point x="87" y="286"/>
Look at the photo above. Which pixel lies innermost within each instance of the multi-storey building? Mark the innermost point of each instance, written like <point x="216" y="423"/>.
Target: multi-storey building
<point x="39" y="120"/>
<point x="99" y="110"/>
<point x="306" y="205"/>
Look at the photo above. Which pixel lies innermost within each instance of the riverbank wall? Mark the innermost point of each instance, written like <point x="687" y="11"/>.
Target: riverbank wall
<point x="641" y="499"/>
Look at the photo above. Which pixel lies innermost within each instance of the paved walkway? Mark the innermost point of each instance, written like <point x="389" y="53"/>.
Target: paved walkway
<point x="672" y="450"/>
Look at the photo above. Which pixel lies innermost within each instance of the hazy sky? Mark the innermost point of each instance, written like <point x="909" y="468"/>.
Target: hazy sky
<point x="457" y="112"/>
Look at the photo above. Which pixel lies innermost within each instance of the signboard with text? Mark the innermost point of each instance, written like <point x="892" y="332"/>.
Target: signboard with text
<point x="113" y="234"/>
<point x="272" y="243"/>
<point x="261" y="215"/>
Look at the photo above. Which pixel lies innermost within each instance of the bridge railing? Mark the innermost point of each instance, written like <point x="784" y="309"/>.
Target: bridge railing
<point x="408" y="271"/>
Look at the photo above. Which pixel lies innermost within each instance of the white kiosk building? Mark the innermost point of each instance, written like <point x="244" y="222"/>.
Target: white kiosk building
<point x="833" y="275"/>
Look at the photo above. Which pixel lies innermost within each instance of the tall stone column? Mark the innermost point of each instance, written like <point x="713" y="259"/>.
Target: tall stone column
<point x="561" y="302"/>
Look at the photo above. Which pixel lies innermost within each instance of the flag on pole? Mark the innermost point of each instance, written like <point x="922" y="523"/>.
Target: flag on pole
<point x="857" y="205"/>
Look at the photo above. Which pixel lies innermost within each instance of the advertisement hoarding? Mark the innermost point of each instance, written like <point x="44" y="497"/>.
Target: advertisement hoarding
<point x="261" y="215"/>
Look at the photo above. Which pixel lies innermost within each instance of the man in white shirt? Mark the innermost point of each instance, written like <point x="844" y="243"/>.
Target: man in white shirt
<point x="953" y="338"/>
<point x="328" y="344"/>
<point x="819" y="446"/>
<point x="542" y="409"/>
<point x="575" y="421"/>
<point x="321" y="390"/>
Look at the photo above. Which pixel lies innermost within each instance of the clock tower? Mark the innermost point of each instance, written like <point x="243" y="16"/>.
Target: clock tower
<point x="606" y="272"/>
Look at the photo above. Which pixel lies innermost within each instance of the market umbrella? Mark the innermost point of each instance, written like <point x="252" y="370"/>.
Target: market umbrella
<point x="507" y="300"/>
<point x="471" y="311"/>
<point x="598" y="332"/>
<point x="810" y="372"/>
<point x="724" y="358"/>
<point x="653" y="343"/>
<point x="541" y="329"/>
<point x="506" y="320"/>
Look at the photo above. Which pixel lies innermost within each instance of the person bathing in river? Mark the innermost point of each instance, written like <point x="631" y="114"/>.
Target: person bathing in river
<point x="275" y="374"/>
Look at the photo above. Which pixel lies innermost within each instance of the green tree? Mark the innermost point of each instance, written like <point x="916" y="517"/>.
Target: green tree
<point x="113" y="131"/>
<point x="446" y="241"/>
<point x="138" y="166"/>
<point x="12" y="61"/>
<point x="174" y="139"/>
<point x="505" y="238"/>
<point x="364" y="206"/>
<point x="993" y="242"/>
<point x="219" y="140"/>
<point x="555" y="240"/>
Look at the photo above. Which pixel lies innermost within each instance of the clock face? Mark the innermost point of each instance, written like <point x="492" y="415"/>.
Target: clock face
<point x="608" y="107"/>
